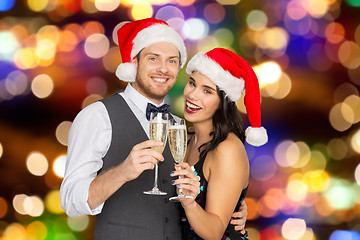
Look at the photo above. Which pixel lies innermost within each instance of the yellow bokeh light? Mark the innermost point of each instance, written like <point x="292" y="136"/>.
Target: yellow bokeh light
<point x="37" y="5"/>
<point x="52" y="202"/>
<point x="317" y="162"/>
<point x="107" y="5"/>
<point x="34" y="206"/>
<point x="357" y="174"/>
<point x="49" y="32"/>
<point x="279" y="89"/>
<point x="45" y="49"/>
<point x="42" y="86"/>
<point x="62" y="132"/>
<point x="337" y="119"/>
<point x="293" y="228"/>
<point x="317" y="181"/>
<point x="305" y="155"/>
<point x="79" y="223"/>
<point x="349" y="54"/>
<point x="25" y="58"/>
<point x="18" y="203"/>
<point x="316" y="8"/>
<point x="296" y="190"/>
<point x="14" y="231"/>
<point x="36" y="230"/>
<point x="353" y="101"/>
<point x="141" y="11"/>
<point x="355" y="141"/>
<point x="37" y="164"/>
<point x="273" y="38"/>
<point x="59" y="165"/>
<point x="228" y="2"/>
<point x="1" y="150"/>
<point x="267" y="73"/>
<point x="257" y="20"/>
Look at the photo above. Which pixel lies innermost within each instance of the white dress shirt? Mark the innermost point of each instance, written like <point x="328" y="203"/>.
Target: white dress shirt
<point x="89" y="141"/>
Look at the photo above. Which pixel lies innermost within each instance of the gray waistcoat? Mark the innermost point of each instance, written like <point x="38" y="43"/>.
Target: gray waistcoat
<point x="128" y="213"/>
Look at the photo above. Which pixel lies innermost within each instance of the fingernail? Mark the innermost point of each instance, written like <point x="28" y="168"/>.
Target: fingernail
<point x="172" y="182"/>
<point x="172" y="173"/>
<point x="178" y="185"/>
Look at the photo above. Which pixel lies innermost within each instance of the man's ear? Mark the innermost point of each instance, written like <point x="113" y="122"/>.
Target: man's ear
<point x="135" y="61"/>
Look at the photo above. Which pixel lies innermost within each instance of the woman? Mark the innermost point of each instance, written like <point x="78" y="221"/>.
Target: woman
<point x="216" y="147"/>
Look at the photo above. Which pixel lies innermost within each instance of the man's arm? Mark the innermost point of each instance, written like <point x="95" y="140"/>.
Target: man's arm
<point x="82" y="191"/>
<point x="140" y="159"/>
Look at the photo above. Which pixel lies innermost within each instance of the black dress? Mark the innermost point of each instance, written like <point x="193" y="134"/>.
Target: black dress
<point x="230" y="233"/>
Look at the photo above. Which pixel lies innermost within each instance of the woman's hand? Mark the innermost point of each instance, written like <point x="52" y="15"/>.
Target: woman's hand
<point x="188" y="182"/>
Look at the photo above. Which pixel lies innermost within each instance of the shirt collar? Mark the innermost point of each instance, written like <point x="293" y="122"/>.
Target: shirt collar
<point x="138" y="99"/>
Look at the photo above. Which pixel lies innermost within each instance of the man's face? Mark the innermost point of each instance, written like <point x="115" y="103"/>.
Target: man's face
<point x="157" y="70"/>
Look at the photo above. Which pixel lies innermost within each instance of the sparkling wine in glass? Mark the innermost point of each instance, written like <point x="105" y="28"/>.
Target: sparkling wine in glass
<point x="178" y="143"/>
<point x="158" y="131"/>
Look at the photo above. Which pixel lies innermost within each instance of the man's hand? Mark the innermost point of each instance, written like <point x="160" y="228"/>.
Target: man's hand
<point x="141" y="158"/>
<point x="239" y="218"/>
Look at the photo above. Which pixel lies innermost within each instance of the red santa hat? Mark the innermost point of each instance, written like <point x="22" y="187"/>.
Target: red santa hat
<point x="134" y="36"/>
<point x="233" y="75"/>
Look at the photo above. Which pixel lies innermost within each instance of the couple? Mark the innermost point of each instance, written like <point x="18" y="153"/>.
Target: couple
<point x="109" y="152"/>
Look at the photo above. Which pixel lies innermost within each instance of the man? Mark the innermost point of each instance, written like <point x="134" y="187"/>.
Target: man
<point x="109" y="152"/>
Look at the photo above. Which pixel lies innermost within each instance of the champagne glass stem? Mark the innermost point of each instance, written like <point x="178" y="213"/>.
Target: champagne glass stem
<point x="181" y="194"/>
<point x="156" y="176"/>
<point x="180" y="189"/>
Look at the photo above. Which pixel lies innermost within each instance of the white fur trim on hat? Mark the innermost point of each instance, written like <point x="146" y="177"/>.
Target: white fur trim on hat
<point x="158" y="33"/>
<point x="233" y="87"/>
<point x="256" y="136"/>
<point x="126" y="72"/>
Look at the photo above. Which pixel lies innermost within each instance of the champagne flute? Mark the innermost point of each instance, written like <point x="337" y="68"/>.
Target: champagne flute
<point x="158" y="131"/>
<point x="178" y="143"/>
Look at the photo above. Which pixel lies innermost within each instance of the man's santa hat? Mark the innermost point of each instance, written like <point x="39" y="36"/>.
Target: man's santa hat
<point x="233" y="75"/>
<point x="134" y="36"/>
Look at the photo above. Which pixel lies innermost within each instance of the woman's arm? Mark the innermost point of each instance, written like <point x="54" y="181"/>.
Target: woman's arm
<point x="227" y="172"/>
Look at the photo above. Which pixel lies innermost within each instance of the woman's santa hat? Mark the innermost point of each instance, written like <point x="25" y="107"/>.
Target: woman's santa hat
<point x="134" y="36"/>
<point x="233" y="75"/>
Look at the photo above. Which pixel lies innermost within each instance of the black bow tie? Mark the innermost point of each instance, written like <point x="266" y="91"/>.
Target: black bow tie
<point x="165" y="108"/>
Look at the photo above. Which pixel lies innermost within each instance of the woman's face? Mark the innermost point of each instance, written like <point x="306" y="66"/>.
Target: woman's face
<point x="201" y="98"/>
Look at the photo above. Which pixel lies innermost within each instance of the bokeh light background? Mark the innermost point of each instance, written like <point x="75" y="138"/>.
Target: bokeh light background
<point x="57" y="56"/>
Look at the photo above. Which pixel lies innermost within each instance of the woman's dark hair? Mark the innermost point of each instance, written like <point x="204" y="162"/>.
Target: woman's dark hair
<point x="226" y="119"/>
